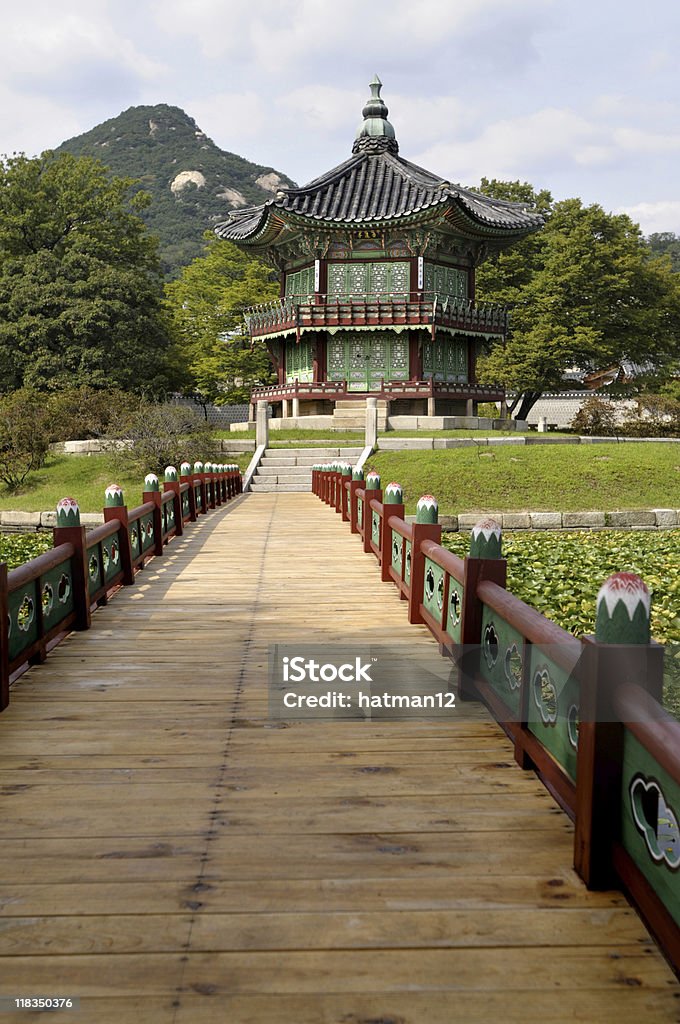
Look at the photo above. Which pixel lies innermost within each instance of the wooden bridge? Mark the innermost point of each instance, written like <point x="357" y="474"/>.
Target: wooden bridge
<point x="170" y="855"/>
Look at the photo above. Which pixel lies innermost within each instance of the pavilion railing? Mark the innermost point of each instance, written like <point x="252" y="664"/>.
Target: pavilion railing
<point x="585" y="713"/>
<point x="47" y="597"/>
<point x="365" y="309"/>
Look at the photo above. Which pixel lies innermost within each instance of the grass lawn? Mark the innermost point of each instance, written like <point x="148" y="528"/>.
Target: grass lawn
<point x="542" y="478"/>
<point x="353" y="437"/>
<point x="83" y="477"/>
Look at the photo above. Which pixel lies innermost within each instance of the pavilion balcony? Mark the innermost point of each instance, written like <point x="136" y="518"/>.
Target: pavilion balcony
<point x="389" y="390"/>
<point x="302" y="313"/>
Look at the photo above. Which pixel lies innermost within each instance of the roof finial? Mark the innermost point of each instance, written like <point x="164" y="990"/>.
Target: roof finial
<point x="375" y="134"/>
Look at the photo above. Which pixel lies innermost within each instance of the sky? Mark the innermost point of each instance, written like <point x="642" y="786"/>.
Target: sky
<point x="580" y="97"/>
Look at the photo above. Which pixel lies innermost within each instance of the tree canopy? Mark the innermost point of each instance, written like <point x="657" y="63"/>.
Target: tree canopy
<point x="80" y="281"/>
<point x="585" y="291"/>
<point x="207" y="305"/>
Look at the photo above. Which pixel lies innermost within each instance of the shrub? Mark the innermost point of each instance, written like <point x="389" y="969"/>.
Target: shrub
<point x="655" y="416"/>
<point x="596" y="416"/>
<point x="160" y="434"/>
<point x="80" y="413"/>
<point x="24" y="435"/>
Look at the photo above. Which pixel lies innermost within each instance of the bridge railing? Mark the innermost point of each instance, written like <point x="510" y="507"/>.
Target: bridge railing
<point x="584" y="713"/>
<point x="47" y="597"/>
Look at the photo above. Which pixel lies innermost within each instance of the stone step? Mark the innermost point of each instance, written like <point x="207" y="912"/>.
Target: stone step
<point x="299" y="472"/>
<point x="357" y="403"/>
<point x="305" y="462"/>
<point x="268" y="488"/>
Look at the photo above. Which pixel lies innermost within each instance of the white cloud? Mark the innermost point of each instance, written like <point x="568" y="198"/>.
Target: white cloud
<point x="49" y="44"/>
<point x="514" y="147"/>
<point x="652" y="217"/>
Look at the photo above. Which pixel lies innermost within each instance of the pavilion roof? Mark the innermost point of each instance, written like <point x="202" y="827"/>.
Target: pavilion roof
<point x="374" y="186"/>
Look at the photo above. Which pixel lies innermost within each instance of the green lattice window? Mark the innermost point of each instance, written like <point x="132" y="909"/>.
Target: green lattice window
<point x="365" y="358"/>
<point x="368" y="279"/>
<point x="446" y="359"/>
<point x="301" y="283"/>
<point x="298" y="361"/>
<point x="445" y="282"/>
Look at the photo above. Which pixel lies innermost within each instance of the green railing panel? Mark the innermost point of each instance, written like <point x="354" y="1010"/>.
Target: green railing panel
<point x="433" y="589"/>
<point x="95" y="569"/>
<point x="168" y="516"/>
<point x="649" y="822"/>
<point x="360" y="512"/>
<point x="56" y="593"/>
<point x="397" y="552"/>
<point x="500" y="661"/>
<point x="135" y="542"/>
<point x="552" y="714"/>
<point x="23" y="620"/>
<point x="199" y="497"/>
<point x="454" y="611"/>
<point x="146" y="529"/>
<point x="375" y="527"/>
<point x="186" y="508"/>
<point x="407" y="563"/>
<point x="111" y="549"/>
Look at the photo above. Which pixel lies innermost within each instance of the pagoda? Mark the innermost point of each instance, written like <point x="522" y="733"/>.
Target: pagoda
<point x="376" y="260"/>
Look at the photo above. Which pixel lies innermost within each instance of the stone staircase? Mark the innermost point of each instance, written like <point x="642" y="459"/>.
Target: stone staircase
<point x="290" y="469"/>
<point x="350" y="414"/>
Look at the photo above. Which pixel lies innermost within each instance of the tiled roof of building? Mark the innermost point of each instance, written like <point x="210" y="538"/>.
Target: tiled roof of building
<point x="377" y="185"/>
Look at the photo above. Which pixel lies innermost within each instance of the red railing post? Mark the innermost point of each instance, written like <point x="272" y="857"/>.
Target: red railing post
<point x="371" y="491"/>
<point x="152" y="493"/>
<point x="115" y="508"/>
<point x="483" y="563"/>
<point x="69" y="531"/>
<point x="620" y="652"/>
<point x="345" y="478"/>
<point x="426" y="527"/>
<point x="393" y="505"/>
<point x="356" y="484"/>
<point x="186" y="477"/>
<point x="171" y="483"/>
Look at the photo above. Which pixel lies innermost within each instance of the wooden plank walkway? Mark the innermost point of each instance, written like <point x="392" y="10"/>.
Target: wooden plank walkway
<point x="171" y="857"/>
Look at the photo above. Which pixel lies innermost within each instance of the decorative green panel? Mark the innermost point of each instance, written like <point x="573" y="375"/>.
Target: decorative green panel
<point x="407" y="563"/>
<point x="146" y="528"/>
<point x="433" y="589"/>
<point x="447" y="282"/>
<point x="56" y="593"/>
<point x="299" y="362"/>
<point x="375" y="527"/>
<point x="186" y="508"/>
<point x="301" y="284"/>
<point x="368" y="280"/>
<point x="454" y="611"/>
<point x="553" y="709"/>
<point x="446" y="359"/>
<point x="133" y="530"/>
<point x="360" y="512"/>
<point x="649" y="822"/>
<point x="95" y="569"/>
<point x="199" y="496"/>
<point x="397" y="552"/>
<point x="500" y="662"/>
<point x="23" y="626"/>
<point x="365" y="358"/>
<point x="112" y="564"/>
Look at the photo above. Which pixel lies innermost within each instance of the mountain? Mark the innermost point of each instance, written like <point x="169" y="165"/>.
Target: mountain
<point x="192" y="182"/>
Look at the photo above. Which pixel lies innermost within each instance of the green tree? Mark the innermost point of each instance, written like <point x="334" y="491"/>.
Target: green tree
<point x="207" y="304"/>
<point x="80" y="282"/>
<point x="583" y="292"/>
<point x="666" y="243"/>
